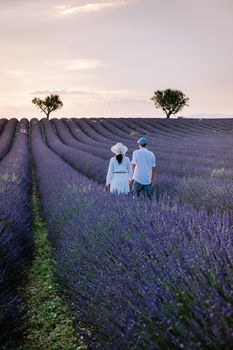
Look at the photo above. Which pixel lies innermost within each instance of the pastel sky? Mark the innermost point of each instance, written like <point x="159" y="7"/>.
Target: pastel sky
<point x="106" y="58"/>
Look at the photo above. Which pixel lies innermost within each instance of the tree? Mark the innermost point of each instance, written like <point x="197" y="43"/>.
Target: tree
<point x="171" y="101"/>
<point x="49" y="104"/>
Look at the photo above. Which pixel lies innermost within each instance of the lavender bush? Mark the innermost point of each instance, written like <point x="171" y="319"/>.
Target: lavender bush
<point x="7" y="136"/>
<point x="86" y="163"/>
<point x="67" y="138"/>
<point x="79" y="135"/>
<point x="87" y="127"/>
<point x="2" y="124"/>
<point x="16" y="246"/>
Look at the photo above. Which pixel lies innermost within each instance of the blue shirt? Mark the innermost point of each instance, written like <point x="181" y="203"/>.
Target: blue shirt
<point x="144" y="161"/>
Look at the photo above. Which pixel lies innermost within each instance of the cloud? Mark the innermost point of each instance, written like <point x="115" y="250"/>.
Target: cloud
<point x="77" y="64"/>
<point x="131" y="100"/>
<point x="81" y="64"/>
<point x="17" y="73"/>
<point x="123" y="96"/>
<point x="91" y="7"/>
<point x="59" y="92"/>
<point x="106" y="96"/>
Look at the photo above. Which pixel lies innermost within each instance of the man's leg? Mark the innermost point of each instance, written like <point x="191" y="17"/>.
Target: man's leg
<point x="147" y="191"/>
<point x="137" y="188"/>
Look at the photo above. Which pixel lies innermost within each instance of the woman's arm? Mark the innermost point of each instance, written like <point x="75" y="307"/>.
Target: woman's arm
<point x="109" y="173"/>
<point x="129" y="169"/>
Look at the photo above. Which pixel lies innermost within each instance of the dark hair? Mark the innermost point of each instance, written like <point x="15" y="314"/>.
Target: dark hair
<point x="143" y="145"/>
<point x="119" y="158"/>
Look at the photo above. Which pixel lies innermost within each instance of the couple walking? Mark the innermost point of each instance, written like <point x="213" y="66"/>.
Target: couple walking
<point x="140" y="172"/>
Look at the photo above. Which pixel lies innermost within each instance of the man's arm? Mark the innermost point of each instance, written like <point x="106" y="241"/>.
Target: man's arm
<point x="153" y="174"/>
<point x="134" y="162"/>
<point x="153" y="168"/>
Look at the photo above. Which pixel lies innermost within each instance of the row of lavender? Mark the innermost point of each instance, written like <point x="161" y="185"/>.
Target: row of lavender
<point x="185" y="148"/>
<point x="16" y="244"/>
<point x="140" y="275"/>
<point x="196" y="155"/>
<point x="196" y="168"/>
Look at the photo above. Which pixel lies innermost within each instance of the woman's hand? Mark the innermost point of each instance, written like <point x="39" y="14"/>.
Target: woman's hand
<point x="107" y="186"/>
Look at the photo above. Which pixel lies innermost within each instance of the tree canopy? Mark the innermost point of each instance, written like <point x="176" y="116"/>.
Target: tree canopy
<point x="49" y="104"/>
<point x="171" y="101"/>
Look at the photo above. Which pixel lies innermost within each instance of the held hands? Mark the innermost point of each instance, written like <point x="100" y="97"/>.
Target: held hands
<point x="152" y="185"/>
<point x="107" y="187"/>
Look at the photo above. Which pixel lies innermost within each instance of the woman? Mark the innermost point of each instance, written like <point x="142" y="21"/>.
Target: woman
<point x="119" y="175"/>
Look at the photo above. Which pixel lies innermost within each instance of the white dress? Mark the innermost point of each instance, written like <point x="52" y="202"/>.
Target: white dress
<point x="118" y="175"/>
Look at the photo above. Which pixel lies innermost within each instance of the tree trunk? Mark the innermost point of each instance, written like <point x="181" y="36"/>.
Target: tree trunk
<point x="47" y="115"/>
<point x="168" y="114"/>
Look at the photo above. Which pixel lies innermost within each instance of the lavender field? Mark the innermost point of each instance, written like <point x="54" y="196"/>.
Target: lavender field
<point x="137" y="274"/>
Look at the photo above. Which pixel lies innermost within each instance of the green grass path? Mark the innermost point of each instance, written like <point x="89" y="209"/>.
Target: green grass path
<point x="49" y="325"/>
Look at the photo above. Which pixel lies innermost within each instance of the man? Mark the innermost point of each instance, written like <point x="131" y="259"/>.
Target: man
<point x="143" y="166"/>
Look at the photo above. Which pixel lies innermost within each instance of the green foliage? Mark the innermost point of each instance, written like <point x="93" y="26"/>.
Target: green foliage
<point x="49" y="104"/>
<point x="50" y="324"/>
<point x="171" y="101"/>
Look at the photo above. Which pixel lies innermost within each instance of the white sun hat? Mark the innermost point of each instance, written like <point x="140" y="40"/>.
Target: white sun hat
<point x="119" y="148"/>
